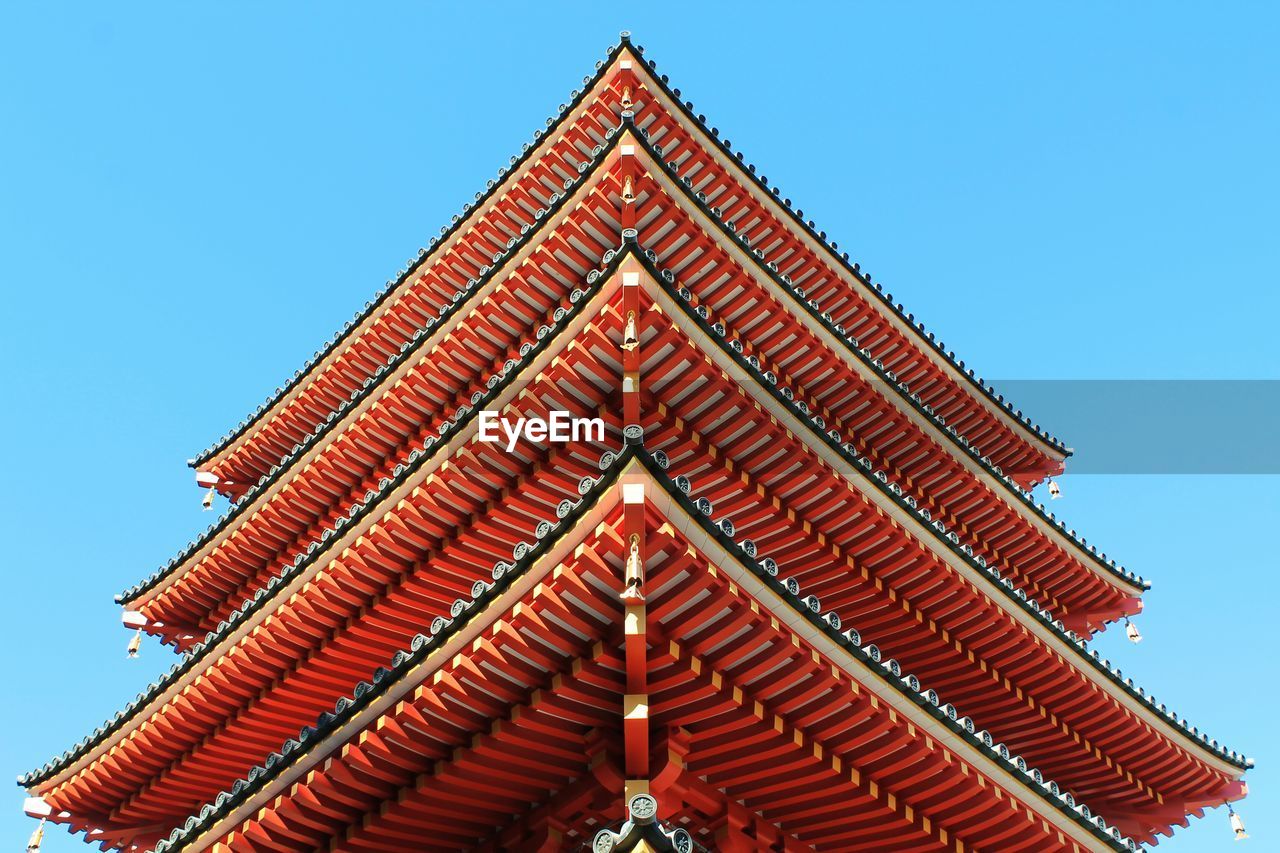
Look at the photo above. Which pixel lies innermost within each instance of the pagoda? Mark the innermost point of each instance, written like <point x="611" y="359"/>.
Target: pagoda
<point x="794" y="594"/>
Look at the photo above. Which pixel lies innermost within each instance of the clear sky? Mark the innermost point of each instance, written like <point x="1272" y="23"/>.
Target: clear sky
<point x="193" y="200"/>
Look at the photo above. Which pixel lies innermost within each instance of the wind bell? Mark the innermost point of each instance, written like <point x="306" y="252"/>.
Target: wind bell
<point x="626" y="97"/>
<point x="1055" y="491"/>
<point x="630" y="338"/>
<point x="628" y="191"/>
<point x="36" y="837"/>
<point x="135" y="643"/>
<point x="1131" y="631"/>
<point x="1237" y="825"/>
<point x="207" y="503"/>
<point x="632" y="592"/>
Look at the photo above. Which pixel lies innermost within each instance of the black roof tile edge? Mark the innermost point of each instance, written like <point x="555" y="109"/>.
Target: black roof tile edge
<point x="403" y="661"/>
<point x="869" y="655"/>
<point x="461" y="302"/>
<point x="891" y="380"/>
<point x="446" y="233"/>
<point x="947" y="537"/>
<point x="842" y="258"/>
<point x="610" y="261"/>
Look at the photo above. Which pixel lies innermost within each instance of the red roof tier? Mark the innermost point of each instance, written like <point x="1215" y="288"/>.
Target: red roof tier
<point x="962" y="487"/>
<point x="464" y="750"/>
<point x="510" y="205"/>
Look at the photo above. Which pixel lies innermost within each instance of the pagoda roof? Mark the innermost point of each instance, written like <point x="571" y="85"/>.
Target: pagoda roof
<point x="801" y="618"/>
<point x="805" y="309"/>
<point x="709" y="330"/>
<point x="768" y="195"/>
<point x="851" y="529"/>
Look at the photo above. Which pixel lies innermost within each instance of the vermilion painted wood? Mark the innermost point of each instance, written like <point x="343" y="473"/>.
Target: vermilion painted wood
<point x="744" y="740"/>
<point x="928" y="472"/>
<point x="844" y="566"/>
<point x="506" y="214"/>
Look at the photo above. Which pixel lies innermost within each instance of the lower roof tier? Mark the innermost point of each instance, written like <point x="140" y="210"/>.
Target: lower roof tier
<point x="503" y="729"/>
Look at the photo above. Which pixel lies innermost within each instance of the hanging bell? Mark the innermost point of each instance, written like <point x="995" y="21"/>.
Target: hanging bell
<point x="633" y="571"/>
<point x="630" y="337"/>
<point x="135" y="643"/>
<point x="207" y="503"/>
<point x="626" y="97"/>
<point x="1237" y="825"/>
<point x="628" y="190"/>
<point x="1055" y="491"/>
<point x="1131" y="631"/>
<point x="36" y="837"/>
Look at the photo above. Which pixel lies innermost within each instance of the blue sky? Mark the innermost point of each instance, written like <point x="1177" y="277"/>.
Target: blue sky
<point x="192" y="200"/>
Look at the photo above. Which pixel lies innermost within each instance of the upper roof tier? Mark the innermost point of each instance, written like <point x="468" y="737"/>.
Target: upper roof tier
<point x="701" y="190"/>
<point x="509" y="206"/>
<point x="446" y="363"/>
